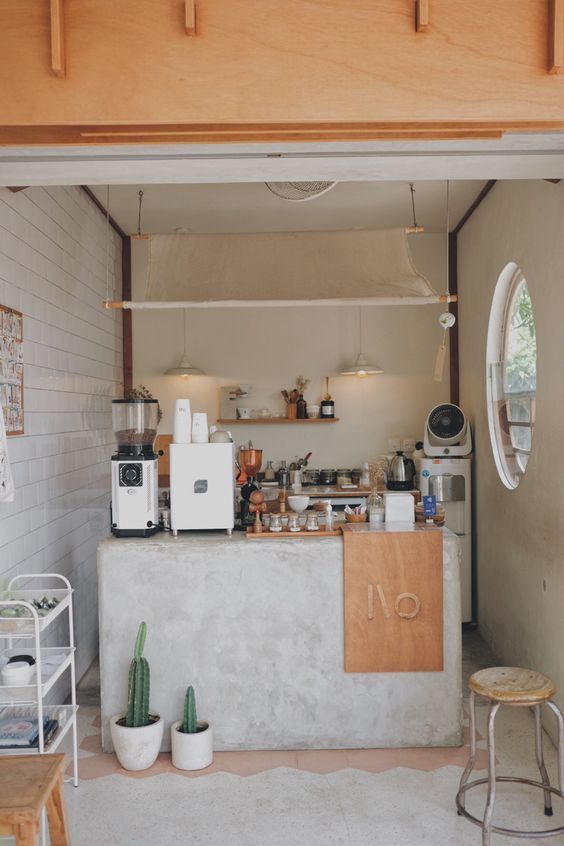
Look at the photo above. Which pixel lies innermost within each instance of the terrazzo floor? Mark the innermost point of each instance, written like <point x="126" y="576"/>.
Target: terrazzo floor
<point x="374" y="797"/>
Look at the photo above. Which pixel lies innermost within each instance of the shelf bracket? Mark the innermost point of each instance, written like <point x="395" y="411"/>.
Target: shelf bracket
<point x="190" y="17"/>
<point x="58" y="38"/>
<point x="421" y="15"/>
<point x="555" y="35"/>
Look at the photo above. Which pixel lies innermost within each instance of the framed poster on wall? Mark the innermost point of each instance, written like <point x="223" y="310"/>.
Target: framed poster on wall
<point x="11" y="370"/>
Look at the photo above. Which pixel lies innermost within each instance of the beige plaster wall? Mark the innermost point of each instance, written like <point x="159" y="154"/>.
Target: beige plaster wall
<point x="268" y="348"/>
<point x="520" y="533"/>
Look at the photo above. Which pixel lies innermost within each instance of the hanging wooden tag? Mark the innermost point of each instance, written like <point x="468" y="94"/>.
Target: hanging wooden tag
<point x="440" y="363"/>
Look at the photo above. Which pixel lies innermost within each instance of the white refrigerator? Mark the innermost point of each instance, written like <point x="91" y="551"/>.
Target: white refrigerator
<point x="450" y="480"/>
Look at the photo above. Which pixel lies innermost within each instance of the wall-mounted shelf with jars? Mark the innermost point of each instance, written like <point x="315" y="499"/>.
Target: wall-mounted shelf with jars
<point x="271" y="420"/>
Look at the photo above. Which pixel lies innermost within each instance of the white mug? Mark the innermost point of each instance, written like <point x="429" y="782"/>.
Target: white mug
<point x="182" y="422"/>
<point x="200" y="428"/>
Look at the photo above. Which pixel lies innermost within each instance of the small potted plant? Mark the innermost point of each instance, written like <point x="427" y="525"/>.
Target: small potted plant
<point x="191" y="740"/>
<point x="137" y="735"/>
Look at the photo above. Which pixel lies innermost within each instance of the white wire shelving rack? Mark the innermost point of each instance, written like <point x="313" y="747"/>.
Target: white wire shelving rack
<point x="30" y="628"/>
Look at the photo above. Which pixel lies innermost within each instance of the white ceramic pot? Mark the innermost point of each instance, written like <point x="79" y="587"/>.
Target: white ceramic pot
<point x="136" y="748"/>
<point x="191" y="751"/>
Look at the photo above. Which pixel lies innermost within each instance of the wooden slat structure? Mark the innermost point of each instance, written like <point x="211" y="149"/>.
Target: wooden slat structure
<point x="58" y="38"/>
<point x="421" y="15"/>
<point x="261" y="70"/>
<point x="555" y="35"/>
<point x="190" y="17"/>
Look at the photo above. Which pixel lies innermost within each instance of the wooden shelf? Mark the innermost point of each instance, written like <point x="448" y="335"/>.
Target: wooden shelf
<point x="252" y="421"/>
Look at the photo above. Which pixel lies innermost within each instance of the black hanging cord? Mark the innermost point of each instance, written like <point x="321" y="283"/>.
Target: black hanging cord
<point x="412" y="189"/>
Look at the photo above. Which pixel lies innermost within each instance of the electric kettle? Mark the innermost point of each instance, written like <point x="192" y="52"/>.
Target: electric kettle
<point x="401" y="473"/>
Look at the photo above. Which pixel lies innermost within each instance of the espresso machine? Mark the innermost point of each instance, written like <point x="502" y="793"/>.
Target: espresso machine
<point x="135" y="475"/>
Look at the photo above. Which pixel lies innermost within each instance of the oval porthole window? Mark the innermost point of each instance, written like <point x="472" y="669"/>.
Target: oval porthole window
<point x="512" y="375"/>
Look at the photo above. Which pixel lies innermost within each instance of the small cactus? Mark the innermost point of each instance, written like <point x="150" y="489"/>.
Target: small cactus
<point x="139" y="684"/>
<point x="190" y="721"/>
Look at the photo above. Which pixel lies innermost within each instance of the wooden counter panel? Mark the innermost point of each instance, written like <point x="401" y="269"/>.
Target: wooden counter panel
<point x="393" y="589"/>
<point x="263" y="61"/>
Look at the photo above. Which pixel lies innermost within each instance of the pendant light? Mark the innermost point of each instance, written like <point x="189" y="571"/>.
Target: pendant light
<point x="184" y="368"/>
<point x="361" y="367"/>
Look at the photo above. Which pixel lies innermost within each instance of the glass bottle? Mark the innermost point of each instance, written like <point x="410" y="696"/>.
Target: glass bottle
<point x="269" y="475"/>
<point x="302" y="408"/>
<point x="327" y="408"/>
<point x="283" y="475"/>
<point x="375" y="508"/>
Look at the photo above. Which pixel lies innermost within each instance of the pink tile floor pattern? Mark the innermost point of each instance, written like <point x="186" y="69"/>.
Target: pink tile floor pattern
<point x="96" y="764"/>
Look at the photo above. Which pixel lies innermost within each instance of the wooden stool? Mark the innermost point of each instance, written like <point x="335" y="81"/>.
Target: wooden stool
<point x="29" y="783"/>
<point x="517" y="687"/>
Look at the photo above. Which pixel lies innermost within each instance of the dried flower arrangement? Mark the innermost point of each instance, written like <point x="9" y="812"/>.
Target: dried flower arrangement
<point x="139" y="393"/>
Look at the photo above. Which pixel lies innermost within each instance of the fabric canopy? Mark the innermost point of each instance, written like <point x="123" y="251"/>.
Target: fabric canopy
<point x="284" y="268"/>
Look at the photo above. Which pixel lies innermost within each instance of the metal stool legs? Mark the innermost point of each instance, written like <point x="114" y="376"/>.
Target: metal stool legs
<point x="486" y="823"/>
<point x="540" y="761"/>
<point x="461" y="798"/>
<point x="488" y="814"/>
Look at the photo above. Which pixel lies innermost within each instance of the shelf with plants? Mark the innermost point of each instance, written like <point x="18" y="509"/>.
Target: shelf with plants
<point x="252" y="421"/>
<point x="25" y="614"/>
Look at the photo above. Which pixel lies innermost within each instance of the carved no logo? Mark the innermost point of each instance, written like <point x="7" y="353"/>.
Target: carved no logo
<point x="407" y="605"/>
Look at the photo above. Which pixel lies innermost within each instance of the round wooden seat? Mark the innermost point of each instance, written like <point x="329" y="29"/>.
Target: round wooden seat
<point x="512" y="685"/>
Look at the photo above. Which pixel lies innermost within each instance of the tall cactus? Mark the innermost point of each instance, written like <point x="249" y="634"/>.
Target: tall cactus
<point x="139" y="684"/>
<point x="190" y="722"/>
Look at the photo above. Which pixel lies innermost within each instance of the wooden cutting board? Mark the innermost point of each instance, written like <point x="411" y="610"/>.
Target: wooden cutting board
<point x="393" y="590"/>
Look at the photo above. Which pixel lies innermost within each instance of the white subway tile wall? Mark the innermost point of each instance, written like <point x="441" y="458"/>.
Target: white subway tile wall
<point x="53" y="268"/>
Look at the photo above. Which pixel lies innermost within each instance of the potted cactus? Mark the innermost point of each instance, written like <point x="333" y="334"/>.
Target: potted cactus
<point x="137" y="734"/>
<point x="191" y="740"/>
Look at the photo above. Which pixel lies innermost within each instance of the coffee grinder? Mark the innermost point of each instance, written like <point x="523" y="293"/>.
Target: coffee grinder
<point x="135" y="506"/>
<point x="250" y="462"/>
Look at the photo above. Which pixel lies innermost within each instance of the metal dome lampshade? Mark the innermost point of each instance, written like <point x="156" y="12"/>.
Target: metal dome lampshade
<point x="361" y="367"/>
<point x="184" y="367"/>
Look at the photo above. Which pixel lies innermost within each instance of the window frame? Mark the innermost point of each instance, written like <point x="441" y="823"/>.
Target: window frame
<point x="502" y="429"/>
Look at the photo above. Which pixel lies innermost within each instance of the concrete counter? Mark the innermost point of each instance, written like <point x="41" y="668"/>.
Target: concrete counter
<point x="257" y="628"/>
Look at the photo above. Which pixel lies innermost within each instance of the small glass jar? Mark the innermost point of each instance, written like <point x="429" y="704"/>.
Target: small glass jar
<point x="293" y="522"/>
<point x="284" y="522"/>
<point x="312" y="523"/>
<point x="375" y="506"/>
<point x="275" y="523"/>
<point x="266" y="520"/>
<point x="344" y="477"/>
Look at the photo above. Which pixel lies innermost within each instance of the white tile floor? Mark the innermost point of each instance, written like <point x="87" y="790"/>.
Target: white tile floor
<point x="288" y="806"/>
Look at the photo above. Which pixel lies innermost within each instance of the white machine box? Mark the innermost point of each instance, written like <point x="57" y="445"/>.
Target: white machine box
<point x="450" y="481"/>
<point x="202" y="488"/>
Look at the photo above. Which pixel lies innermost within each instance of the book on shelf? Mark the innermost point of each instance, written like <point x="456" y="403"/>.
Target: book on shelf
<point x="22" y="732"/>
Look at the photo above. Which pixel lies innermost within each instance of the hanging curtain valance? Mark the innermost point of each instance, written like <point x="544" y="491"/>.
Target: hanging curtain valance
<point x="372" y="267"/>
